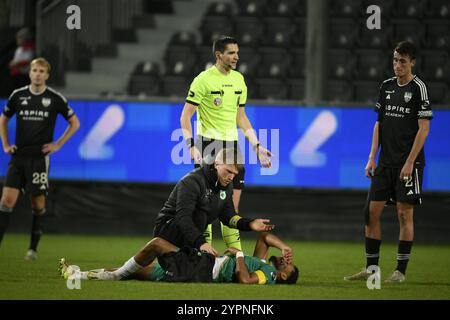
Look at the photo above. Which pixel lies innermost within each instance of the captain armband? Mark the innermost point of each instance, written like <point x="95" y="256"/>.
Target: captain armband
<point x="234" y="220"/>
<point x="261" y="277"/>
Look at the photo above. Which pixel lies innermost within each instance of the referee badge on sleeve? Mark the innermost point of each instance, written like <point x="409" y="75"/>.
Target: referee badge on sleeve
<point x="217" y="102"/>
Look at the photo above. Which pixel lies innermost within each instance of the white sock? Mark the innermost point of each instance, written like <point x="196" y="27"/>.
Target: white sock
<point x="97" y="274"/>
<point x="104" y="275"/>
<point x="84" y="274"/>
<point x="127" y="269"/>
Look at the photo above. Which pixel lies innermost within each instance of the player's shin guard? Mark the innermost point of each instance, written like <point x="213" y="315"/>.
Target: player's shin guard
<point x="404" y="251"/>
<point x="231" y="237"/>
<point x="207" y="234"/>
<point x="5" y="214"/>
<point x="36" y="228"/>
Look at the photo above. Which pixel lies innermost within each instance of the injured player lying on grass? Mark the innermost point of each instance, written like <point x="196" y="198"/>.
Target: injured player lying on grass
<point x="160" y="260"/>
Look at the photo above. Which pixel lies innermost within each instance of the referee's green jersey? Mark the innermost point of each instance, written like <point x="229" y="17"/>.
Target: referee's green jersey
<point x="217" y="97"/>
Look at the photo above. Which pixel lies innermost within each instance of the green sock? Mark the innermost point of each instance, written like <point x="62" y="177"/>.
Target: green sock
<point x="208" y="233"/>
<point x="231" y="237"/>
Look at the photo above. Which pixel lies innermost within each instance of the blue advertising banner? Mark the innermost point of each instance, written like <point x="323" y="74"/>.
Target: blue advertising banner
<point x="323" y="147"/>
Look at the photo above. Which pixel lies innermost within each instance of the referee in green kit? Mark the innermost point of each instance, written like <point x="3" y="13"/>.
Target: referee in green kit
<point x="219" y="94"/>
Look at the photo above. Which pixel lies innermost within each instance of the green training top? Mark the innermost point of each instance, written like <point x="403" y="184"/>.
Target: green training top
<point x="217" y="97"/>
<point x="266" y="272"/>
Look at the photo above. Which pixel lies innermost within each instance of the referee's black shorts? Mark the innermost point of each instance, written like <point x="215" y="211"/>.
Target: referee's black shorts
<point x="387" y="186"/>
<point x="209" y="147"/>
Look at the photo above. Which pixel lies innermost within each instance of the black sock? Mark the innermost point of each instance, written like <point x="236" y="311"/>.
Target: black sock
<point x="5" y="214"/>
<point x="372" y="251"/>
<point x="36" y="228"/>
<point x="404" y="251"/>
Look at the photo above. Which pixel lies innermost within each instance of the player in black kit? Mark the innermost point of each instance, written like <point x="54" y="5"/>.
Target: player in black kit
<point x="403" y="123"/>
<point x="36" y="107"/>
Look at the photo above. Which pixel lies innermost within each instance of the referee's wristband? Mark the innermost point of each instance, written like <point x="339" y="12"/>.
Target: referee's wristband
<point x="239" y="254"/>
<point x="190" y="142"/>
<point x="256" y="146"/>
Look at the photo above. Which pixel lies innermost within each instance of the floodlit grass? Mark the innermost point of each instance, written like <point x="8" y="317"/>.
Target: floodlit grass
<point x="322" y="268"/>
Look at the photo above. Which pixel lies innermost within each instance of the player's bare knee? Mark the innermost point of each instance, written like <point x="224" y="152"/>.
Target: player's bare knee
<point x="401" y="218"/>
<point x="8" y="202"/>
<point x="147" y="247"/>
<point x="153" y="245"/>
<point x="156" y="242"/>
<point x="374" y="217"/>
<point x="404" y="217"/>
<point x="38" y="202"/>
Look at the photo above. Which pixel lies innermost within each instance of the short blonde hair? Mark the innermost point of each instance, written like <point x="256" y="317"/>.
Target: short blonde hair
<point x="230" y="156"/>
<point x="42" y="62"/>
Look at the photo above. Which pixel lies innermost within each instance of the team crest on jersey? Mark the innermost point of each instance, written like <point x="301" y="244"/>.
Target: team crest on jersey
<point x="217" y="101"/>
<point x="46" y="102"/>
<point x="407" y="96"/>
<point x="223" y="194"/>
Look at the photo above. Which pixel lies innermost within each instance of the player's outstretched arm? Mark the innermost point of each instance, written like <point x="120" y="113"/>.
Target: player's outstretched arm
<point x="261" y="225"/>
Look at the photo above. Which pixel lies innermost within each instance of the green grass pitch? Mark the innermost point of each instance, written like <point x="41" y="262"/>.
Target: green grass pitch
<point x="322" y="267"/>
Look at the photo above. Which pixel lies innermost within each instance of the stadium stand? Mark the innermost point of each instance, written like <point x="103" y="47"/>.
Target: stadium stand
<point x="343" y="34"/>
<point x="285" y="8"/>
<point x="297" y="68"/>
<point x="252" y="8"/>
<point x="278" y="32"/>
<point x="371" y="65"/>
<point x="213" y="26"/>
<point x="271" y="89"/>
<point x="276" y="62"/>
<point x="272" y="37"/>
<point x="345" y="8"/>
<point x="248" y="30"/>
<point x="438" y="9"/>
<point x="144" y="81"/>
<point x="249" y="61"/>
<point x="296" y="88"/>
<point x="341" y="64"/>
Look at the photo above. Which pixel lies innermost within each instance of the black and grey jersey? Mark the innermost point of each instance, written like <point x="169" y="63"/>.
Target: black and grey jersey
<point x="35" y="117"/>
<point x="399" y="108"/>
